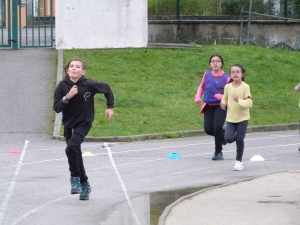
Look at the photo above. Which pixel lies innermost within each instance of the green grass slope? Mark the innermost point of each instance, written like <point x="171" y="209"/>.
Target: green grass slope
<point x="154" y="88"/>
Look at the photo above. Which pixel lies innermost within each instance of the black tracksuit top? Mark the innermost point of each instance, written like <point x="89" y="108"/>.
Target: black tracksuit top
<point x="80" y="108"/>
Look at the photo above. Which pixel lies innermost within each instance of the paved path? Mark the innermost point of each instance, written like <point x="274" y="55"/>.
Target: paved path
<point x="27" y="82"/>
<point x="270" y="199"/>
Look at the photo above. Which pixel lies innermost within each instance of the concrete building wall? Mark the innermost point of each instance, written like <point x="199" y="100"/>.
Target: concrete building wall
<point x="101" y="24"/>
<point x="264" y="33"/>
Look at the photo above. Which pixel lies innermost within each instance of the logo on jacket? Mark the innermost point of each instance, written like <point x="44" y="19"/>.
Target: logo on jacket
<point x="87" y="95"/>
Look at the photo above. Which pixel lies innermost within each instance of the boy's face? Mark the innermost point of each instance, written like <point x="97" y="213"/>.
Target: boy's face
<point x="75" y="70"/>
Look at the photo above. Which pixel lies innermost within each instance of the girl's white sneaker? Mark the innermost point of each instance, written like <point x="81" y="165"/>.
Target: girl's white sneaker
<point x="238" y="166"/>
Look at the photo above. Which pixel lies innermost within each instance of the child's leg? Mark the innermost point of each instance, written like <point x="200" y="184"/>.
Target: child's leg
<point x="209" y="112"/>
<point x="73" y="151"/>
<point x="218" y="123"/>
<point x="230" y="132"/>
<point x="68" y="134"/>
<point x="240" y="136"/>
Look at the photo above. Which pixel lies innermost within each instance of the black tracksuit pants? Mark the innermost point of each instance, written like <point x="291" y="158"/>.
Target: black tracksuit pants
<point x="237" y="132"/>
<point x="74" y="137"/>
<point x="214" y="119"/>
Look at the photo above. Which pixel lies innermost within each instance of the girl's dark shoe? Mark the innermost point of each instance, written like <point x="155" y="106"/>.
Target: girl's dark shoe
<point x="85" y="191"/>
<point x="75" y="185"/>
<point x="218" y="156"/>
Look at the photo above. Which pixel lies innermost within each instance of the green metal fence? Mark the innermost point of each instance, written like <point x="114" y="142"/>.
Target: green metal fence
<point x="26" y="24"/>
<point x="186" y="9"/>
<point x="39" y="29"/>
<point x="5" y="31"/>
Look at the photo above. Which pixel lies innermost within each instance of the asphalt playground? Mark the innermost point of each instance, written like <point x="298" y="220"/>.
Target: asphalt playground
<point x="34" y="174"/>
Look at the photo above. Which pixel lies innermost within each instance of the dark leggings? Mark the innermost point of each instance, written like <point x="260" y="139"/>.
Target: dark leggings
<point x="237" y="132"/>
<point x="74" y="138"/>
<point x="214" y="118"/>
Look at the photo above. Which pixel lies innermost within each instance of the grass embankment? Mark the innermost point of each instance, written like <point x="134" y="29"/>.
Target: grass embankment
<point x="154" y="88"/>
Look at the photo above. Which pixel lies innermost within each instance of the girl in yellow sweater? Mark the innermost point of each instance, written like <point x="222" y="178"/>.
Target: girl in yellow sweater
<point x="237" y="100"/>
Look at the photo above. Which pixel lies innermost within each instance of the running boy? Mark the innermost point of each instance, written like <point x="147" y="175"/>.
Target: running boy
<point x="237" y="98"/>
<point x="74" y="97"/>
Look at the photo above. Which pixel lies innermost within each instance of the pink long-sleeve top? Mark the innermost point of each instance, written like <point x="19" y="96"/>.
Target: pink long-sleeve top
<point x="212" y="87"/>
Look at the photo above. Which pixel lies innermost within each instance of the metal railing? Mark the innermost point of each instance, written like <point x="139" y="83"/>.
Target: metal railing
<point x="196" y="9"/>
<point x="38" y="20"/>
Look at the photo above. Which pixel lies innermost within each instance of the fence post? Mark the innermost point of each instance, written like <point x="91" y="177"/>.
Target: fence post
<point x="285" y="8"/>
<point x="14" y="24"/>
<point x="249" y="21"/>
<point x="178" y="10"/>
<point x="241" y="28"/>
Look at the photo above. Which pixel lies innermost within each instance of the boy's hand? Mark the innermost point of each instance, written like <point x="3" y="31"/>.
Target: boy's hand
<point x="109" y="114"/>
<point x="73" y="91"/>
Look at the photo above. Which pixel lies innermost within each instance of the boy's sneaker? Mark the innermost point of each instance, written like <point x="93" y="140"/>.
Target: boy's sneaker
<point x="238" y="166"/>
<point x="218" y="156"/>
<point x="75" y="185"/>
<point x="223" y="135"/>
<point x="85" y="191"/>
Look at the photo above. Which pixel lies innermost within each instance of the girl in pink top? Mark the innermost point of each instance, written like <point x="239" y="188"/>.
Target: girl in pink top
<point x="212" y="87"/>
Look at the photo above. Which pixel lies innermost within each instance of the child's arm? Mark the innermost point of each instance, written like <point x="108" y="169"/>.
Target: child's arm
<point x="220" y="96"/>
<point x="59" y="104"/>
<point x="247" y="101"/>
<point x="200" y="91"/>
<point x="224" y="99"/>
<point x="104" y="88"/>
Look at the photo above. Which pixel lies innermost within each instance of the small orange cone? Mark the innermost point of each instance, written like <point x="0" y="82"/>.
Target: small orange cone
<point x="14" y="151"/>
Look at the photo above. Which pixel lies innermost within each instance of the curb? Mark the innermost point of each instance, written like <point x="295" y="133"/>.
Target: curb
<point x="143" y="137"/>
<point x="169" y="208"/>
<point x="58" y="116"/>
<point x="193" y="133"/>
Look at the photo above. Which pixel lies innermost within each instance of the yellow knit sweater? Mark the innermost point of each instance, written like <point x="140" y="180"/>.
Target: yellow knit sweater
<point x="237" y="111"/>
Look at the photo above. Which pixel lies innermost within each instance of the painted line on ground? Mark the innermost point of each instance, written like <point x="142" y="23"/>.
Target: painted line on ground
<point x="156" y="148"/>
<point x="147" y="149"/>
<point x="122" y="185"/>
<point x="188" y="156"/>
<point x="24" y="216"/>
<point x="12" y="183"/>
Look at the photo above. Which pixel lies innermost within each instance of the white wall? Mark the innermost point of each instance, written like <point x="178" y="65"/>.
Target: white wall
<point x="83" y="24"/>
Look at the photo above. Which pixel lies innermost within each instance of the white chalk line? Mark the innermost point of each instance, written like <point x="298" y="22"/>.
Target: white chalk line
<point x="58" y="148"/>
<point x="188" y="156"/>
<point x="24" y="216"/>
<point x="155" y="177"/>
<point x="12" y="183"/>
<point x="159" y="148"/>
<point x="122" y="186"/>
<point x="156" y="148"/>
<point x="157" y="159"/>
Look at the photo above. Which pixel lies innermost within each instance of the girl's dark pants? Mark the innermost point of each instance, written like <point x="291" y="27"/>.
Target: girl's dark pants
<point x="214" y="118"/>
<point x="237" y="132"/>
<point x="74" y="138"/>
